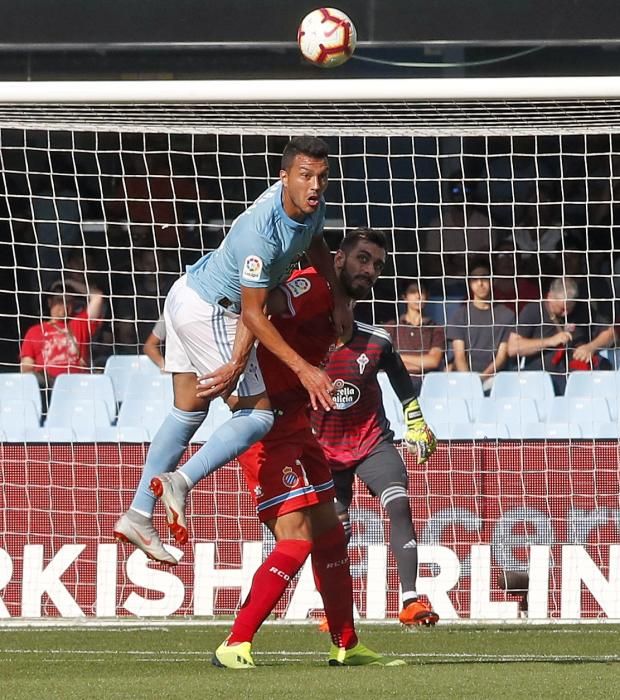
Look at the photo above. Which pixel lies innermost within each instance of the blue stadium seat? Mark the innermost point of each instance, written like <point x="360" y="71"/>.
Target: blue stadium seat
<point x="535" y="385"/>
<point x="511" y="412"/>
<point x="88" y="387"/>
<point x="584" y="412"/>
<point x="392" y="405"/>
<point x="16" y="416"/>
<point x="607" y="431"/>
<point x="593" y="384"/>
<point x="551" y="431"/>
<point x="453" y="385"/>
<point x="120" y="367"/>
<point x="147" y="414"/>
<point x="441" y="411"/>
<point x="472" y="431"/>
<point x="599" y="385"/>
<point x="218" y="413"/>
<point x="25" y="387"/>
<point x="83" y="416"/>
<point x="117" y="433"/>
<point x="146" y="387"/>
<point x="46" y="434"/>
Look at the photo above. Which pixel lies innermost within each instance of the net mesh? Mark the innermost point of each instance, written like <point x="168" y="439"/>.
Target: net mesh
<point x="119" y="199"/>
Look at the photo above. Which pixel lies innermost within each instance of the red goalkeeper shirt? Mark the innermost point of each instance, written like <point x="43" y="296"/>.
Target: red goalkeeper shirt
<point x="352" y="432"/>
<point x="308" y="328"/>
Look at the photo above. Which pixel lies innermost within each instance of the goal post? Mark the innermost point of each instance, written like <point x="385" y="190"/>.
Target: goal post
<point x="119" y="185"/>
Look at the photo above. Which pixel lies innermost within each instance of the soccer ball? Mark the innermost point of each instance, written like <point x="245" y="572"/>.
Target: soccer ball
<point x="326" y="37"/>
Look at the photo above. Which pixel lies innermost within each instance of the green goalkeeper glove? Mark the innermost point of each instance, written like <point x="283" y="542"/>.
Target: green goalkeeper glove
<point x="419" y="438"/>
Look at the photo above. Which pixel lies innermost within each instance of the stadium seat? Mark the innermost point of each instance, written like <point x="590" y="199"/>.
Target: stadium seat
<point x="25" y="387"/>
<point x="598" y="385"/>
<point x="471" y="431"/>
<point x="525" y="385"/>
<point x="147" y="414"/>
<point x="592" y="384"/>
<point x="392" y="405"/>
<point x="88" y="387"/>
<point x="584" y="412"/>
<point x="606" y="431"/>
<point x="46" y="434"/>
<point x="440" y="411"/>
<point x="513" y="413"/>
<point x="453" y="385"/>
<point x="83" y="416"/>
<point x="115" y="433"/>
<point x="120" y="367"/>
<point x="218" y="413"/>
<point x="16" y="416"/>
<point x="146" y="387"/>
<point x="551" y="431"/>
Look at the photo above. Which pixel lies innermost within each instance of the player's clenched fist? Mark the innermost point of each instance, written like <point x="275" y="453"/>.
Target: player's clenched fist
<point x="419" y="438"/>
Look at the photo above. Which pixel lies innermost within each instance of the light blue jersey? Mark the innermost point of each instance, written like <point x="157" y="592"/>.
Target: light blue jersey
<point x="258" y="251"/>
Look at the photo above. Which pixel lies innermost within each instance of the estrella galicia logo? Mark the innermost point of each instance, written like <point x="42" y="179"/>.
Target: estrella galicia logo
<point x="346" y="395"/>
<point x="289" y="478"/>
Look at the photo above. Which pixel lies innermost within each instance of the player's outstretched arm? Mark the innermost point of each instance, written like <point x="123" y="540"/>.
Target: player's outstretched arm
<point x="419" y="438"/>
<point x="314" y="380"/>
<point x="223" y="380"/>
<point x="322" y="261"/>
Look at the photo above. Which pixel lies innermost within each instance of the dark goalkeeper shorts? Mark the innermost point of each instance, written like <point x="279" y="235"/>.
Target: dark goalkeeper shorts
<point x="380" y="470"/>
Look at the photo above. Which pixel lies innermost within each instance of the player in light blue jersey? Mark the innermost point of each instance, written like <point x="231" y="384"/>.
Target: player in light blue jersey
<point x="213" y="316"/>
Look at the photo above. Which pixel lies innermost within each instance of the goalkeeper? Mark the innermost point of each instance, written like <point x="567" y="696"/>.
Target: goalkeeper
<point x="356" y="437"/>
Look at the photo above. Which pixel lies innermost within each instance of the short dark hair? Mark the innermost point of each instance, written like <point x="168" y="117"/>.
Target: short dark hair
<point x="372" y="235"/>
<point x="306" y="145"/>
<point x="476" y="263"/>
<point x="414" y="286"/>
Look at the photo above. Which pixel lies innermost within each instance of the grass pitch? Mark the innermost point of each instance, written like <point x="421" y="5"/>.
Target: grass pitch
<point x="161" y="661"/>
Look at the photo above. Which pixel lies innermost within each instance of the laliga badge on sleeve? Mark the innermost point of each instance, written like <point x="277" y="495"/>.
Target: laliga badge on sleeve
<point x="252" y="268"/>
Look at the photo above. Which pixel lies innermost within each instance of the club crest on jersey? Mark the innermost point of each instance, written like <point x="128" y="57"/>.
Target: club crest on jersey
<point x="362" y="361"/>
<point x="298" y="286"/>
<point x="252" y="267"/>
<point x="346" y="395"/>
<point x="289" y="478"/>
<point x="258" y="491"/>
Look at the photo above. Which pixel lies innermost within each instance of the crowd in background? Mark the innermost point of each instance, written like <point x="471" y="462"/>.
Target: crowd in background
<point x="474" y="270"/>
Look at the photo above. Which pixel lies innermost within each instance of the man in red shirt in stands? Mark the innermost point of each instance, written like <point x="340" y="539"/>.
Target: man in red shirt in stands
<point x="62" y="344"/>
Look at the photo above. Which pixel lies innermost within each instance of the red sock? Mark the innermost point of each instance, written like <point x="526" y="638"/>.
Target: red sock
<point x="269" y="583"/>
<point x="330" y="562"/>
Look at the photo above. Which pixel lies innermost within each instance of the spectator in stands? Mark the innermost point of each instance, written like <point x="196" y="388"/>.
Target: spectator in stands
<point x="62" y="344"/>
<point x="418" y="339"/>
<point x="587" y="352"/>
<point x="479" y="329"/>
<point x="461" y="229"/>
<point x="159" y="206"/>
<point x="510" y="287"/>
<point x="594" y="289"/>
<point x="153" y="344"/>
<point x="548" y="333"/>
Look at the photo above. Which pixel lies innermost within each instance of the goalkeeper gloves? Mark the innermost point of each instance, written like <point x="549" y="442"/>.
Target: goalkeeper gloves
<point x="419" y="438"/>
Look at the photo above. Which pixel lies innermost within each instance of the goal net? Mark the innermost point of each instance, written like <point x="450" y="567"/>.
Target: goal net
<point x="106" y="199"/>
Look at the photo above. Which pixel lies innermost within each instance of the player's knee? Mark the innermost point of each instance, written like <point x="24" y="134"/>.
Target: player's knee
<point x="292" y="526"/>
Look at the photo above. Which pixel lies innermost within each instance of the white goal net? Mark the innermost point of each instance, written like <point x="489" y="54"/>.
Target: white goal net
<point x="115" y="198"/>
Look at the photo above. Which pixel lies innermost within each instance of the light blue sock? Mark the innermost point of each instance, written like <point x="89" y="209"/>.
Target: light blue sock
<point x="167" y="448"/>
<point x="231" y="439"/>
